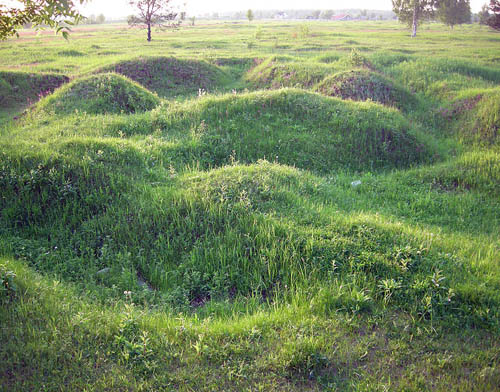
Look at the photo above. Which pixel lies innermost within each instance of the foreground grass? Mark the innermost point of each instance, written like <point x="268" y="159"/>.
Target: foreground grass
<point x="265" y="240"/>
<point x="70" y="345"/>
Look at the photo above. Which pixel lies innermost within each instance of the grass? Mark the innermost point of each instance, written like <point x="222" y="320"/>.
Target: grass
<point x="101" y="94"/>
<point x="216" y="224"/>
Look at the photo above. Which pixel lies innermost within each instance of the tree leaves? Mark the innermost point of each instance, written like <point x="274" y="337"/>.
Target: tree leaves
<point x="59" y="14"/>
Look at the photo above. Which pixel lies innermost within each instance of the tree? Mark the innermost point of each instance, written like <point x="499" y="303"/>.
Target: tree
<point x="101" y="19"/>
<point x="414" y="12"/>
<point x="152" y="13"/>
<point x="494" y="20"/>
<point x="484" y="14"/>
<point x="316" y="14"/>
<point x="453" y="12"/>
<point x="250" y="15"/>
<point x="327" y="14"/>
<point x="59" y="14"/>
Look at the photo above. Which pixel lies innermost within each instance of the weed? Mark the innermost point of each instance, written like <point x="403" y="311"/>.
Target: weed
<point x="8" y="287"/>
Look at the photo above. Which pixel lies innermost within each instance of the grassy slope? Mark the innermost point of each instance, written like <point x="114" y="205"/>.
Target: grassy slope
<point x="264" y="276"/>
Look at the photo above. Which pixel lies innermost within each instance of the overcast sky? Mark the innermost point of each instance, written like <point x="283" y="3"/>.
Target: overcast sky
<point x="118" y="8"/>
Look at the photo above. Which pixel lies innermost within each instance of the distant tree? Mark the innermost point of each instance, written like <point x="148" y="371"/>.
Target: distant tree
<point x="152" y="13"/>
<point x="215" y="15"/>
<point x="494" y="20"/>
<point x="192" y="19"/>
<point x="100" y="19"/>
<point x="53" y="13"/>
<point x="250" y="15"/>
<point x="183" y="16"/>
<point x="454" y="12"/>
<point x="364" y="13"/>
<point x="373" y="16"/>
<point x="316" y="14"/>
<point x="484" y="14"/>
<point x="414" y="12"/>
<point x="327" y="14"/>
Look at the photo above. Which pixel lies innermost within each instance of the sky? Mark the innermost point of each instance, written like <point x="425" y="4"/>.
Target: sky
<point x="120" y="8"/>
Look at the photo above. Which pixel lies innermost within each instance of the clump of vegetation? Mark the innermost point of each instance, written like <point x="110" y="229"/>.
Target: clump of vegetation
<point x="170" y="77"/>
<point x="362" y="85"/>
<point x="8" y="287"/>
<point x="100" y="94"/>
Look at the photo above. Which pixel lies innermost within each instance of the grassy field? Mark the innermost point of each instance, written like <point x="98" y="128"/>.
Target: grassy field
<point x="251" y="207"/>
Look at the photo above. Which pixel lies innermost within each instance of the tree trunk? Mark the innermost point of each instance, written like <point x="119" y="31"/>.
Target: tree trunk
<point x="415" y="21"/>
<point x="149" y="32"/>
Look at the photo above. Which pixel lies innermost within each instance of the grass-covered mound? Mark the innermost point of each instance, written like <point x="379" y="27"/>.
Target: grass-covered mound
<point x="442" y="78"/>
<point x="297" y="128"/>
<point x="362" y="85"/>
<point x="100" y="94"/>
<point x="171" y="77"/>
<point x="477" y="170"/>
<point x="474" y="116"/>
<point x="20" y="88"/>
<point x="277" y="72"/>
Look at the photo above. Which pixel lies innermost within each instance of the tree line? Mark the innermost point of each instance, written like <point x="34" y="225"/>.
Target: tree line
<point x="450" y="12"/>
<point x="62" y="14"/>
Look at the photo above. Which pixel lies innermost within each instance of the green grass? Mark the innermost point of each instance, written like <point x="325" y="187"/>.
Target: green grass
<point x="225" y="223"/>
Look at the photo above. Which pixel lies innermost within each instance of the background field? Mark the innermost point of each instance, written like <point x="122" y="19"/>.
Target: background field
<point x="264" y="206"/>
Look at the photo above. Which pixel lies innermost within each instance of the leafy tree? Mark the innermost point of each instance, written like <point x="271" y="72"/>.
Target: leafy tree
<point x="158" y="13"/>
<point x="414" y="12"/>
<point x="484" y="14"/>
<point x="250" y="15"/>
<point x="327" y="14"/>
<point x="59" y="14"/>
<point x="193" y="20"/>
<point x="101" y="19"/>
<point x="316" y="14"/>
<point x="453" y="12"/>
<point x="494" y="20"/>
